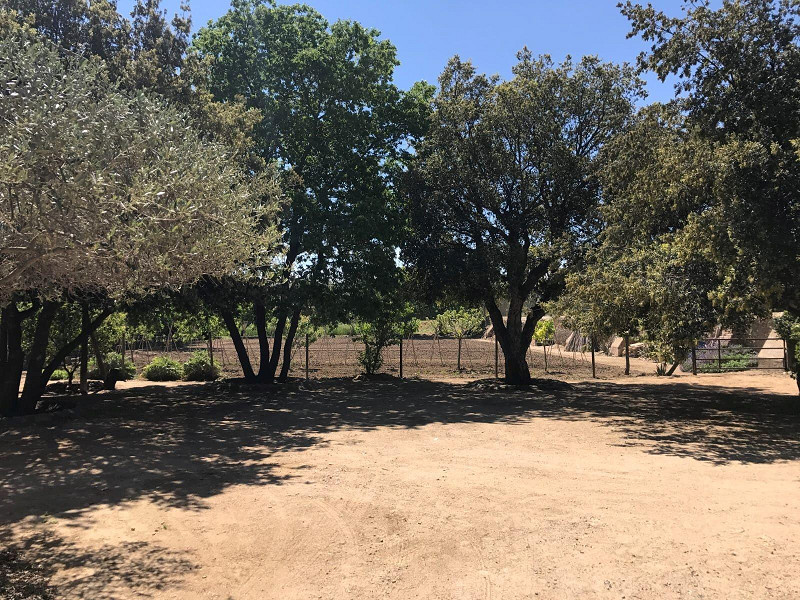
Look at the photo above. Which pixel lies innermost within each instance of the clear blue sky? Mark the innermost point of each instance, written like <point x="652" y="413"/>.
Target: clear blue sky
<point x="428" y="32"/>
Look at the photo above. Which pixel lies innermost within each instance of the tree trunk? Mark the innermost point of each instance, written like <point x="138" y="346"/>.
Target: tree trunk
<point x="101" y="363"/>
<point x="280" y="326"/>
<point x="459" y="354"/>
<point x="514" y="339"/>
<point x="260" y="312"/>
<point x="62" y="354"/>
<point x="673" y="367"/>
<point x="83" y="379"/>
<point x="627" y="355"/>
<point x="287" y="346"/>
<point x="238" y="344"/>
<point x="11" y="367"/>
<point x="37" y="357"/>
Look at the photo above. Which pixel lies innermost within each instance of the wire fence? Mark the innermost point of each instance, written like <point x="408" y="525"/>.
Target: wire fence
<point x="429" y="356"/>
<point x="337" y="356"/>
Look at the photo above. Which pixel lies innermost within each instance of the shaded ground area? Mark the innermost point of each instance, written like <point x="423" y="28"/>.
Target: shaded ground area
<point x="412" y="489"/>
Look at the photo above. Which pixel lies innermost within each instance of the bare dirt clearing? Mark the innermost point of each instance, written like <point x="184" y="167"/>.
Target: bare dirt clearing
<point x="641" y="488"/>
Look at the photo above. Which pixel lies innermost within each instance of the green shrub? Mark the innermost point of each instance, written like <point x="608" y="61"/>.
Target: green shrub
<point x="127" y="370"/>
<point x="163" y="368"/>
<point x="59" y="375"/>
<point x="734" y="358"/>
<point x="199" y="368"/>
<point x="341" y="329"/>
<point x="545" y="331"/>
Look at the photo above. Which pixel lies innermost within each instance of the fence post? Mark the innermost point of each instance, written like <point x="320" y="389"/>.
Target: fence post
<point x="122" y="350"/>
<point x="401" y="357"/>
<point x="785" y="357"/>
<point x="496" y="359"/>
<point x="306" y="357"/>
<point x="694" y="359"/>
<point x="719" y="355"/>
<point x="544" y="351"/>
<point x="594" y="372"/>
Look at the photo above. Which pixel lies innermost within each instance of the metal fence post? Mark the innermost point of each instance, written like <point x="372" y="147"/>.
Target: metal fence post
<point x="594" y="371"/>
<point x="719" y="355"/>
<point x="694" y="359"/>
<point x="306" y="357"/>
<point x="401" y="357"/>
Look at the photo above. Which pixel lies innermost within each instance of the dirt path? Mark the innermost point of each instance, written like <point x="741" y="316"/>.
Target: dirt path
<point x="643" y="488"/>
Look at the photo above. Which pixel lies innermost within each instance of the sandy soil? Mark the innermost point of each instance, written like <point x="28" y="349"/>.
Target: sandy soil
<point x="638" y="488"/>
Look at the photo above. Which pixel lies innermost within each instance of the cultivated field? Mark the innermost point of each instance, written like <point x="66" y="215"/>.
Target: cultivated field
<point x="636" y="488"/>
<point x="423" y="357"/>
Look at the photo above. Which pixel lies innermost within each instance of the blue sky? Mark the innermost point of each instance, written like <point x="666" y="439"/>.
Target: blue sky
<point x="427" y="33"/>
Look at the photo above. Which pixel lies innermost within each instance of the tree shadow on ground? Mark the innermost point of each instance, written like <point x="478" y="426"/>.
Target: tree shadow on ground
<point x="28" y="567"/>
<point x="179" y="445"/>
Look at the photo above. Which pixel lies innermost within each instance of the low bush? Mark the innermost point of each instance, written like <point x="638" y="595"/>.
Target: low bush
<point x="127" y="370"/>
<point x="59" y="375"/>
<point x="734" y="358"/>
<point x="163" y="368"/>
<point x="200" y="368"/>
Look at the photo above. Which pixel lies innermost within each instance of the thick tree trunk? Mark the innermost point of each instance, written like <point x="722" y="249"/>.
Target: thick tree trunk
<point x="280" y="326"/>
<point x="13" y="359"/>
<point x="37" y="356"/>
<point x="514" y="338"/>
<point x="287" y="346"/>
<point x="260" y="312"/>
<point x="98" y="355"/>
<point x="238" y="344"/>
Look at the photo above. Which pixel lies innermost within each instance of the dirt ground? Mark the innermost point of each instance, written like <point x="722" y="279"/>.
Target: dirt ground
<point x="629" y="488"/>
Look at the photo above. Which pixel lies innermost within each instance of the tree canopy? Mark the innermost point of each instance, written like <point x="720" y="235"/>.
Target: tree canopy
<point x="503" y="193"/>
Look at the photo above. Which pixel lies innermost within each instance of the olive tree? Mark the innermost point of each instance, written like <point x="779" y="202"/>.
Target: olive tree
<point x="103" y="194"/>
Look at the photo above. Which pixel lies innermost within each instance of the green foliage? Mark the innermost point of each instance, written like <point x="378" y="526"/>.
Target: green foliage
<point x="732" y="358"/>
<point x="502" y="193"/>
<point x="59" y="375"/>
<point x="341" y="130"/>
<point x="113" y="360"/>
<point x="385" y="329"/>
<point x="460" y="323"/>
<point x="788" y="327"/>
<point x="143" y="199"/>
<point x="545" y="331"/>
<point x="163" y="368"/>
<point x="200" y="368"/>
<point x="340" y="329"/>
<point x="722" y="172"/>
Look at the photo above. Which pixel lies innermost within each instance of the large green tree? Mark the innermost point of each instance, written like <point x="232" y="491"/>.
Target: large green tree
<point x="503" y="193"/>
<point x="338" y="127"/>
<point x="103" y="194"/>
<point x="738" y="70"/>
